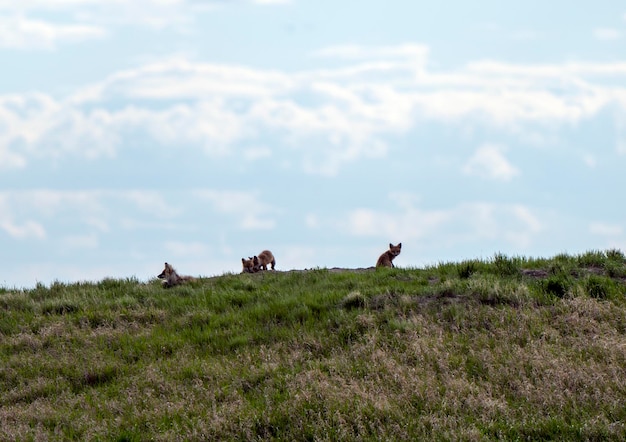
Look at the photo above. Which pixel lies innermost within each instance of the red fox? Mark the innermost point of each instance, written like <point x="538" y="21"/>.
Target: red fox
<point x="264" y="258"/>
<point x="248" y="265"/>
<point x="171" y="278"/>
<point x="386" y="258"/>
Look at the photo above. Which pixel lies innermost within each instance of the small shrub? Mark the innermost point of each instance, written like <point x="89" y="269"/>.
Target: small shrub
<point x="494" y="292"/>
<point x="616" y="255"/>
<point x="603" y="287"/>
<point x="560" y="268"/>
<point x="449" y="289"/>
<point x="505" y="266"/>
<point x="562" y="257"/>
<point x="475" y="368"/>
<point x="615" y="269"/>
<point x="16" y="301"/>
<point x="93" y="377"/>
<point x="557" y="285"/>
<point x="128" y="436"/>
<point x="466" y="269"/>
<point x="556" y="269"/>
<point x="350" y="333"/>
<point x="110" y="284"/>
<point x="594" y="258"/>
<point x="596" y="287"/>
<point x="59" y="307"/>
<point x="353" y="300"/>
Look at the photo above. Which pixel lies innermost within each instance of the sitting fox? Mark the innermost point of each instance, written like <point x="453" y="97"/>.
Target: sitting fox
<point x="171" y="278"/>
<point x="248" y="265"/>
<point x="264" y="258"/>
<point x="386" y="258"/>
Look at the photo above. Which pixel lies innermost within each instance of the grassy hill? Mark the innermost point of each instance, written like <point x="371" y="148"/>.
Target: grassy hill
<point x="506" y="348"/>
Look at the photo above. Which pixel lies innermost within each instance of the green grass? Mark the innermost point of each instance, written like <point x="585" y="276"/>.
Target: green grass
<point x="508" y="348"/>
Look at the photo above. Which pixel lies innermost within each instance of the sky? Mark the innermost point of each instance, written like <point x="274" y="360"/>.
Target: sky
<point x="199" y="132"/>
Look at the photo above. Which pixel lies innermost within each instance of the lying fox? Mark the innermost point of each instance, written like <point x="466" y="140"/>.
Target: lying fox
<point x="386" y="258"/>
<point x="171" y="278"/>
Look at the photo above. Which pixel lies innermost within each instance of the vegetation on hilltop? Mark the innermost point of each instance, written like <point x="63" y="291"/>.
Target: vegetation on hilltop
<point x="506" y="348"/>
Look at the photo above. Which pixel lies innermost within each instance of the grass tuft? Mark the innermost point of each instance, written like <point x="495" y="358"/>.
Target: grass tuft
<point x="353" y="300"/>
<point x="557" y="285"/>
<point x="466" y="269"/>
<point x="505" y="266"/>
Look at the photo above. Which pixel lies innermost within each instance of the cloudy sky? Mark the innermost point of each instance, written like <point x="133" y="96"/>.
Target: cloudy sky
<point x="199" y="132"/>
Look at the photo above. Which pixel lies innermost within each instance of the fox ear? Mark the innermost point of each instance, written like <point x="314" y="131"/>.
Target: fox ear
<point x="243" y="260"/>
<point x="390" y="245"/>
<point x="400" y="245"/>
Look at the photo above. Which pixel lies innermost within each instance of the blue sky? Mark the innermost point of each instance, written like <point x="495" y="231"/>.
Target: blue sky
<point x="200" y="132"/>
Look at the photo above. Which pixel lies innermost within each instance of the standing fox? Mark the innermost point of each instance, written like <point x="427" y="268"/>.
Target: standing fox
<point x="171" y="278"/>
<point x="264" y="258"/>
<point x="386" y="258"/>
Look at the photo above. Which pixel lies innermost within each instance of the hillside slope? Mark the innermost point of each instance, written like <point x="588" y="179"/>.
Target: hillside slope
<point x="508" y="348"/>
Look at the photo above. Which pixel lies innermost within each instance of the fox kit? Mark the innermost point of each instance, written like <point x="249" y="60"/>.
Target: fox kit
<point x="171" y="278"/>
<point x="386" y="258"/>
<point x="264" y="258"/>
<point x="248" y="265"/>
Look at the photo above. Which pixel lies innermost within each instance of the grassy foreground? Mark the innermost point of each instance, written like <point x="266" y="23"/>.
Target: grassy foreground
<point x="505" y="348"/>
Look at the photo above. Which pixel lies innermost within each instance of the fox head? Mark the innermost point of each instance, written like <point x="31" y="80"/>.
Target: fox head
<point x="167" y="271"/>
<point x="395" y="250"/>
<point x="248" y="265"/>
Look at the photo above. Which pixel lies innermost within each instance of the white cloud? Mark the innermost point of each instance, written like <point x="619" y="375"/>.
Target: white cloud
<point x="328" y="117"/>
<point x="88" y="241"/>
<point x="605" y="229"/>
<point x="298" y="257"/>
<point x="311" y="221"/>
<point x="406" y="52"/>
<point x="179" y="79"/>
<point x="30" y="5"/>
<point x="590" y="160"/>
<point x="246" y="207"/>
<point x="151" y="202"/>
<point x="80" y="219"/>
<point x="62" y="21"/>
<point x="620" y="129"/>
<point x="153" y="13"/>
<point x="185" y="249"/>
<point x="39" y="126"/>
<point x="272" y="2"/>
<point x="28" y="229"/>
<point x="514" y="224"/>
<point x="530" y="225"/>
<point x="65" y="21"/>
<point x="255" y="153"/>
<point x="541" y="73"/>
<point x="412" y="223"/>
<point x="10" y="160"/>
<point x="526" y="35"/>
<point x="489" y="162"/>
<point x="50" y="203"/>
<point x="20" y="32"/>
<point x="607" y="34"/>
